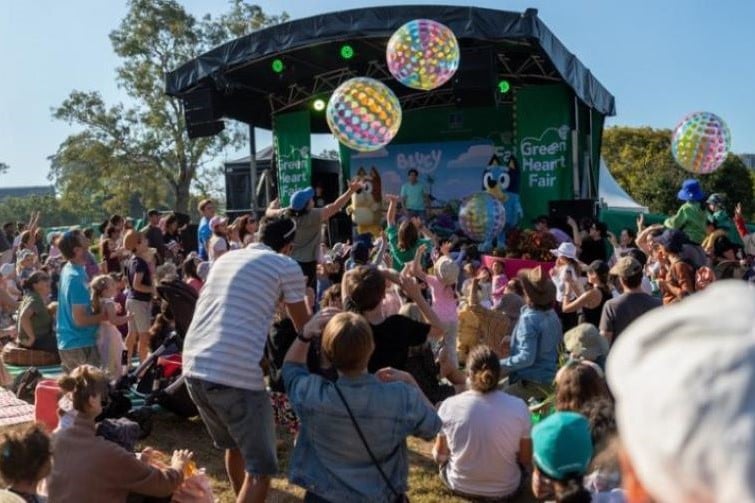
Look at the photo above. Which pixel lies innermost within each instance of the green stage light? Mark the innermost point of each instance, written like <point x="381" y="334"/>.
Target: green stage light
<point x="278" y="65"/>
<point x="318" y="105"/>
<point x="504" y="86"/>
<point x="347" y="52"/>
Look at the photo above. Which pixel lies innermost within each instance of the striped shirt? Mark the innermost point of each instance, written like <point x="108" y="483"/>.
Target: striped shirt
<point x="226" y="339"/>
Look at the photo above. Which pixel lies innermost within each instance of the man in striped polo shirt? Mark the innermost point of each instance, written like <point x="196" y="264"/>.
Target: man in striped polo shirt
<point x="225" y="344"/>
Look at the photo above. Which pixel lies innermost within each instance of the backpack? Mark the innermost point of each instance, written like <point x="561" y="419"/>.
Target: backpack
<point x="26" y="383"/>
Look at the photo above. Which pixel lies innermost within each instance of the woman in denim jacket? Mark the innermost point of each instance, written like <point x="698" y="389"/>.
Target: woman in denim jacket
<point x="330" y="460"/>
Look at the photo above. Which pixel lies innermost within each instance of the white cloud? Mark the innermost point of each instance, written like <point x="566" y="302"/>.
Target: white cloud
<point x="475" y="157"/>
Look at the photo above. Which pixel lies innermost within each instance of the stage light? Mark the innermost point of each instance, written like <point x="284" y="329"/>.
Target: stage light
<point x="318" y="105"/>
<point x="347" y="52"/>
<point x="504" y="86"/>
<point x="277" y="65"/>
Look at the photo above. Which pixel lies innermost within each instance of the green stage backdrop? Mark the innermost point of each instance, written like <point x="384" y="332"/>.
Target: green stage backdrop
<point x="543" y="137"/>
<point x="292" y="151"/>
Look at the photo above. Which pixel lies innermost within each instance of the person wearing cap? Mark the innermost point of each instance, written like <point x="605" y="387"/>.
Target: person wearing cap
<point x="225" y="343"/>
<point x="718" y="216"/>
<point x="218" y="243"/>
<point x="35" y="323"/>
<point x="562" y="451"/>
<point x="688" y="436"/>
<point x="542" y="224"/>
<point x="634" y="302"/>
<point x="309" y="221"/>
<point x="690" y="217"/>
<point x="679" y="280"/>
<point x="154" y="234"/>
<point x="533" y="358"/>
<point x="206" y="208"/>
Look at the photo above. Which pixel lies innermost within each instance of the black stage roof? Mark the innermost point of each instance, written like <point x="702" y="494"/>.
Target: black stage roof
<point x="238" y="80"/>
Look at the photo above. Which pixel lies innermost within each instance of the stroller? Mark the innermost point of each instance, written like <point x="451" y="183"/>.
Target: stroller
<point x="159" y="377"/>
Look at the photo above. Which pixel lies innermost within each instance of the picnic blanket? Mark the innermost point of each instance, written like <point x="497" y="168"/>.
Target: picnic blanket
<point x="14" y="410"/>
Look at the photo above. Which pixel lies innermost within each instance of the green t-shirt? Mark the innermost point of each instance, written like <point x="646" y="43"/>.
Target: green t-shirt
<point x="401" y="257"/>
<point x="415" y="196"/>
<point x="690" y="219"/>
<point x="41" y="321"/>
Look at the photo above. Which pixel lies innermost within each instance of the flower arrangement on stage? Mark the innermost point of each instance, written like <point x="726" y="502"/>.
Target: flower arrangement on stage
<point x="531" y="245"/>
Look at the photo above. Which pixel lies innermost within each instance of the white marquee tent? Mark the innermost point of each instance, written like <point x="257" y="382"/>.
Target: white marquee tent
<point x="611" y="194"/>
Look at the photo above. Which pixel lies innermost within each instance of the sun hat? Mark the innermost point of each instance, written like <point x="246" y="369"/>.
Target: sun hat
<point x="690" y="191"/>
<point x="565" y="249"/>
<point x="626" y="267"/>
<point x="584" y="341"/>
<point x="217" y="220"/>
<point x="672" y="240"/>
<point x="537" y="286"/>
<point x="301" y="198"/>
<point x="562" y="445"/>
<point x="447" y="271"/>
<point x="684" y="382"/>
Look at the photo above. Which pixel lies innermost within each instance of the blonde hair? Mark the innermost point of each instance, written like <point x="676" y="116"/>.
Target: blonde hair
<point x="98" y="285"/>
<point x="347" y="342"/>
<point x="83" y="383"/>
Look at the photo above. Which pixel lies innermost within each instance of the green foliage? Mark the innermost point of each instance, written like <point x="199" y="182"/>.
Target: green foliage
<point x="641" y="161"/>
<point x="51" y="214"/>
<point x="3" y="168"/>
<point x="142" y="150"/>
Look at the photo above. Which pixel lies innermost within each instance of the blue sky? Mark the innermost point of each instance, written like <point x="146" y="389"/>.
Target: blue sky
<point x="661" y="59"/>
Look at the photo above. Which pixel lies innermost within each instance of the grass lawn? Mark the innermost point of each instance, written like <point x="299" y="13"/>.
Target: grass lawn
<point x="171" y="432"/>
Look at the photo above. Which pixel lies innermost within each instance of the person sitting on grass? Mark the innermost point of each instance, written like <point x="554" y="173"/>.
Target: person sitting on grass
<point x="35" y="323"/>
<point x="532" y="362"/>
<point x="486" y="434"/>
<point x="24" y="461"/>
<point x="88" y="468"/>
<point x="352" y="441"/>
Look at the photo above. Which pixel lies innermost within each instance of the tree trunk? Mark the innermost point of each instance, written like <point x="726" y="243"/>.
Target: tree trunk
<point x="182" y="195"/>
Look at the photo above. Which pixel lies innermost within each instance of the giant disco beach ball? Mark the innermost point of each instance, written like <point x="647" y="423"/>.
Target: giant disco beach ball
<point x="363" y="114"/>
<point x="701" y="142"/>
<point x="423" y="54"/>
<point x="481" y="216"/>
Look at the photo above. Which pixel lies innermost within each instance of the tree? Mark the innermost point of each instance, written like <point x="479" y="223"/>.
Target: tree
<point x="641" y="161"/>
<point x="14" y="209"/>
<point x="142" y="148"/>
<point x="3" y="168"/>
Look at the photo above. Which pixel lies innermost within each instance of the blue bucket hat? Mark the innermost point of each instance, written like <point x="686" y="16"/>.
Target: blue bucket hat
<point x="562" y="445"/>
<point x="301" y="198"/>
<point x="691" y="191"/>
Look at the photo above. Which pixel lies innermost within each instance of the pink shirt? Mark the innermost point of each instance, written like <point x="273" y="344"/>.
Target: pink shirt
<point x="499" y="283"/>
<point x="444" y="300"/>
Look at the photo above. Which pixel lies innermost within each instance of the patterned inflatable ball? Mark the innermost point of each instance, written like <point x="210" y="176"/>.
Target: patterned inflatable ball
<point x="481" y="216"/>
<point x="363" y="114"/>
<point x="701" y="142"/>
<point x="423" y="54"/>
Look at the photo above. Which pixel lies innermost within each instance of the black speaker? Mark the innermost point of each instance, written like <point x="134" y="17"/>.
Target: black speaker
<point x="238" y="190"/>
<point x="578" y="209"/>
<point x="474" y="81"/>
<point x="202" y="111"/>
<point x="340" y="228"/>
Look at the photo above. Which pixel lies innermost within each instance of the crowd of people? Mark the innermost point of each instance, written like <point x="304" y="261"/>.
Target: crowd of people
<point x="591" y="378"/>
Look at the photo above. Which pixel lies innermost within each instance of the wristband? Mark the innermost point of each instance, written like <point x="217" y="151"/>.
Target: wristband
<point x="304" y="339"/>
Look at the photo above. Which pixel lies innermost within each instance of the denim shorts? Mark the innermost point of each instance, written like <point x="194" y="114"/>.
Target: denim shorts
<point x="238" y="419"/>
